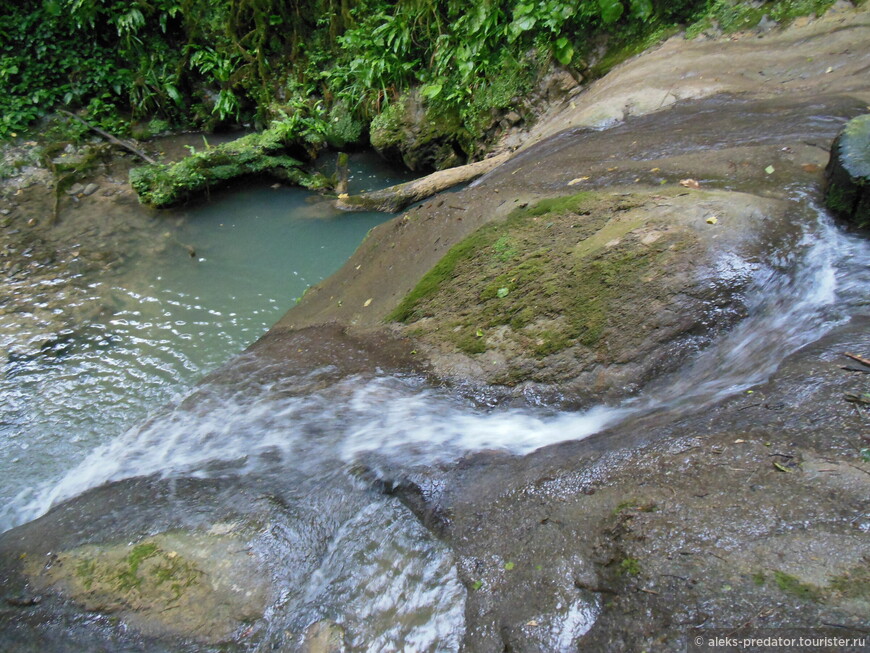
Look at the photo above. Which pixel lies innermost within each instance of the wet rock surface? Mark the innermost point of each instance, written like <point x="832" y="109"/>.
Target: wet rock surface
<point x="848" y="173"/>
<point x="752" y="515"/>
<point x="591" y="295"/>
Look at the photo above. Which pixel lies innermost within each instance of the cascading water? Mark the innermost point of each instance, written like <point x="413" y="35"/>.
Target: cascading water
<point x="383" y="575"/>
<point x="793" y="303"/>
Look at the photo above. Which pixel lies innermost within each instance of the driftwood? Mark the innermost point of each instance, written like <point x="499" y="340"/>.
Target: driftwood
<point x="111" y="138"/>
<point x="395" y="198"/>
<point x="858" y="359"/>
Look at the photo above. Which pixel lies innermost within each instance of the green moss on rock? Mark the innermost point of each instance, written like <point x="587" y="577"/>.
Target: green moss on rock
<point x="184" y="583"/>
<point x="413" y="133"/>
<point x="792" y="585"/>
<point x="532" y="276"/>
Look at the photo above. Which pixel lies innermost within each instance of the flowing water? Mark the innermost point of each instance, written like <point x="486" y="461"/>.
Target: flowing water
<point x="382" y="575"/>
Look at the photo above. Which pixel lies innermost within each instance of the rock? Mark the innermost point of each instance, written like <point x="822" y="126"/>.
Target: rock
<point x="558" y="84"/>
<point x="512" y="117"/>
<point x="498" y="311"/>
<point x="324" y="637"/>
<point x="847" y="192"/>
<point x="199" y="585"/>
<point x="90" y="189"/>
<point x="75" y="189"/>
<point x="199" y="577"/>
<point x="407" y="132"/>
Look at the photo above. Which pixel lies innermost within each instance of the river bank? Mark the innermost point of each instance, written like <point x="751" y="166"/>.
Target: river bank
<point x="720" y="486"/>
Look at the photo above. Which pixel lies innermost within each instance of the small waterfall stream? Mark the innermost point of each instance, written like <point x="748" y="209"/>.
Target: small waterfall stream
<point x="74" y="421"/>
<point x="388" y="580"/>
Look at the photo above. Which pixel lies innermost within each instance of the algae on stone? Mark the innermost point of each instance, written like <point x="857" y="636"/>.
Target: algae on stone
<point x="582" y="291"/>
<point x="192" y="584"/>
<point x="847" y="193"/>
<point x="533" y="274"/>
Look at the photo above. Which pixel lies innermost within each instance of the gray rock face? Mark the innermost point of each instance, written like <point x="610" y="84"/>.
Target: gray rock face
<point x="847" y="193"/>
<point x="406" y="133"/>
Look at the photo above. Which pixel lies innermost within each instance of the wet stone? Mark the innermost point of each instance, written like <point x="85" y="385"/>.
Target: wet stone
<point x="848" y="173"/>
<point x="324" y="637"/>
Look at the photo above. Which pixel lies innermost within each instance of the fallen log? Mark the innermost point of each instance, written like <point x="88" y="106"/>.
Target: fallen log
<point x="110" y="138"/>
<point x="395" y="198"/>
<point x="263" y="153"/>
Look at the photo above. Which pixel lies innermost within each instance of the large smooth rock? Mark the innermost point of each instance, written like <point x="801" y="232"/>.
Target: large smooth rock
<point x="592" y="295"/>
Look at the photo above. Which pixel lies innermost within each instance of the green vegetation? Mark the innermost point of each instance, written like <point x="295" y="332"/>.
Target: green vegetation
<point x="430" y="76"/>
<point x="212" y="62"/>
<point x="792" y="585"/>
<point x="854" y="584"/>
<point x="730" y="16"/>
<point x="129" y="573"/>
<point x="128" y="576"/>
<point x="629" y="567"/>
<point x="263" y="153"/>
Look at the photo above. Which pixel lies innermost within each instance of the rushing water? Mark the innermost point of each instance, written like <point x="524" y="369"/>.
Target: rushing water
<point x="792" y="303"/>
<point x="383" y="576"/>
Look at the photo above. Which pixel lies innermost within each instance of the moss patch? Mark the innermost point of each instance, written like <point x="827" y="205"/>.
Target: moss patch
<point x="848" y="175"/>
<point x="792" y="585"/>
<point x="142" y="574"/>
<point x="629" y="567"/>
<point x="854" y="584"/>
<point x="193" y="584"/>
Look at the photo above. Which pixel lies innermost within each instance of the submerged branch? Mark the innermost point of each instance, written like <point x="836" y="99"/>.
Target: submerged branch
<point x="395" y="198"/>
<point x="110" y="138"/>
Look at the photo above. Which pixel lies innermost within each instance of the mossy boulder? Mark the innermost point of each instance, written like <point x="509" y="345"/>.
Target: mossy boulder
<point x="411" y="133"/>
<point x="201" y="585"/>
<point x="592" y="295"/>
<point x="265" y="153"/>
<point x="847" y="193"/>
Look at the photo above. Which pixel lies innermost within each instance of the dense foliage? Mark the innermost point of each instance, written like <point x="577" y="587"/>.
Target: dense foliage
<point x="330" y="65"/>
